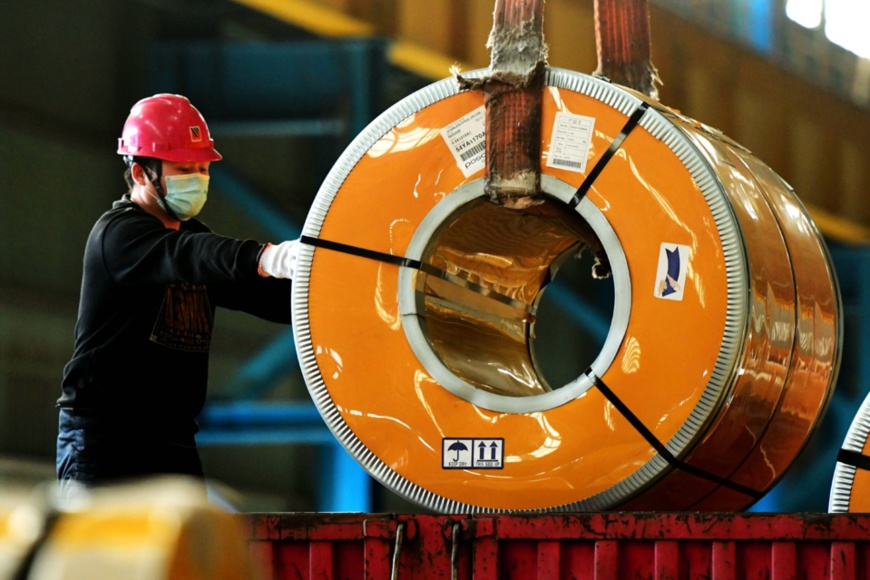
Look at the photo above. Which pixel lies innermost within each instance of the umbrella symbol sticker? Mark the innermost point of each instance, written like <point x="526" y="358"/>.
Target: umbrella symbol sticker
<point x="459" y="453"/>
<point x="457" y="447"/>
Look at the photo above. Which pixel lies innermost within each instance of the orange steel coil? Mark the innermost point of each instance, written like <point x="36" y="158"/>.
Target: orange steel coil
<point x="415" y="305"/>
<point x="850" y="488"/>
<point x="161" y="528"/>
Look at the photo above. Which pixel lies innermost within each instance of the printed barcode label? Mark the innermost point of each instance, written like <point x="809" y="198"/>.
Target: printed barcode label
<point x="473" y="151"/>
<point x="466" y="139"/>
<point x="568" y="163"/>
<point x="570" y="142"/>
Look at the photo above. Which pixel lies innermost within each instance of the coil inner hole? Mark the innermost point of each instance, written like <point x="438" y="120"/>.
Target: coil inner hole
<point x="508" y="300"/>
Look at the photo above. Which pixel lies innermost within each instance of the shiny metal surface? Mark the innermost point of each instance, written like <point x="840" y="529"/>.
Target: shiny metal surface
<point x="480" y="289"/>
<point x="505" y="251"/>
<point x="713" y="374"/>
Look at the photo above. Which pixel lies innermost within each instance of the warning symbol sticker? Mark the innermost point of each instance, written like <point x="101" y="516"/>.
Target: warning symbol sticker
<point x="472" y="453"/>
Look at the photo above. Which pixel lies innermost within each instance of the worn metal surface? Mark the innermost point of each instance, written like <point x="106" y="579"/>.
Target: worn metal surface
<point x="513" y="102"/>
<point x="613" y="545"/>
<point x="622" y="37"/>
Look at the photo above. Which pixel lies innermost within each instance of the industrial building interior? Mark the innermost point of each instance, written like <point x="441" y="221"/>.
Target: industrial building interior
<point x="285" y="86"/>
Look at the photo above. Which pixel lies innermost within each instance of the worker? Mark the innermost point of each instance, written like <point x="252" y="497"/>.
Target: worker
<point x="152" y="277"/>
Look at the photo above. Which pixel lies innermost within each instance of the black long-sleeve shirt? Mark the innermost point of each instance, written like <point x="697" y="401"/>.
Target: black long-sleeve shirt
<point x="146" y="313"/>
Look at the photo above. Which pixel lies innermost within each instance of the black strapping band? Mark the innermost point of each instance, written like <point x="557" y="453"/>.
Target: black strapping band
<point x="659" y="447"/>
<point x="416" y="265"/>
<point x="854" y="459"/>
<point x="362" y="252"/>
<point x="632" y="122"/>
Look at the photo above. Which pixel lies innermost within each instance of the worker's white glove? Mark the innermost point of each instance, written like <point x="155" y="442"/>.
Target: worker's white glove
<point x="279" y="260"/>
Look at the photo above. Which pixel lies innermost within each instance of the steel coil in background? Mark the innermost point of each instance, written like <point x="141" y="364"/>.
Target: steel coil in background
<point x="416" y="304"/>
<point x="161" y="528"/>
<point x="850" y="488"/>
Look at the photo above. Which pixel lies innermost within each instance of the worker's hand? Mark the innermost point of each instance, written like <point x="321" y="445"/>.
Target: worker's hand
<point x="279" y="260"/>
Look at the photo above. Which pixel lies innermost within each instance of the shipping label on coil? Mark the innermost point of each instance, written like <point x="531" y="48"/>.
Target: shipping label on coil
<point x="671" y="271"/>
<point x="466" y="139"/>
<point x="570" y="141"/>
<point x="472" y="453"/>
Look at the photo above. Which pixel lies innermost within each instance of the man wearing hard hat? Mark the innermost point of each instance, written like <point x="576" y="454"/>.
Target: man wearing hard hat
<point x="152" y="277"/>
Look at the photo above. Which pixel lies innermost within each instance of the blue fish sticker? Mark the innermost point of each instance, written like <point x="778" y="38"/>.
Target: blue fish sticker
<point x="671" y="272"/>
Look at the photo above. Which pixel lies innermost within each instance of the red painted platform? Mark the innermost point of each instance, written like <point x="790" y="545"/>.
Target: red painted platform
<point x="602" y="546"/>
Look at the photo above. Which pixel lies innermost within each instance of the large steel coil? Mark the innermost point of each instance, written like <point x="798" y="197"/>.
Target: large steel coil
<point x="416" y="302"/>
<point x="850" y="488"/>
<point x="160" y="528"/>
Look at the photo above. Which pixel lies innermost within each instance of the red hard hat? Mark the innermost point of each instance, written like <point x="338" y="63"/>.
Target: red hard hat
<point x="167" y="127"/>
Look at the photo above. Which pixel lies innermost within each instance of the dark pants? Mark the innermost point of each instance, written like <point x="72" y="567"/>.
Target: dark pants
<point x="94" y="450"/>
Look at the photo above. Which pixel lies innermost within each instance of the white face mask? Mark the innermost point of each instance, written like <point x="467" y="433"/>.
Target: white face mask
<point x="186" y="194"/>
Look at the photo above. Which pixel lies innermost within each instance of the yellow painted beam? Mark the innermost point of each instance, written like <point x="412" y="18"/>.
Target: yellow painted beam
<point x="324" y="21"/>
<point x="313" y="17"/>
<point x="838" y="228"/>
<point x="422" y="61"/>
<point x="435" y="65"/>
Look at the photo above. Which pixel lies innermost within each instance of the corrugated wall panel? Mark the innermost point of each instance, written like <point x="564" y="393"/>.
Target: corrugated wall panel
<point x="602" y="546"/>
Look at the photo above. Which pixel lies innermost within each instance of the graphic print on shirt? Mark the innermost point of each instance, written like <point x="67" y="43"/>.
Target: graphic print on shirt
<point x="185" y="319"/>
